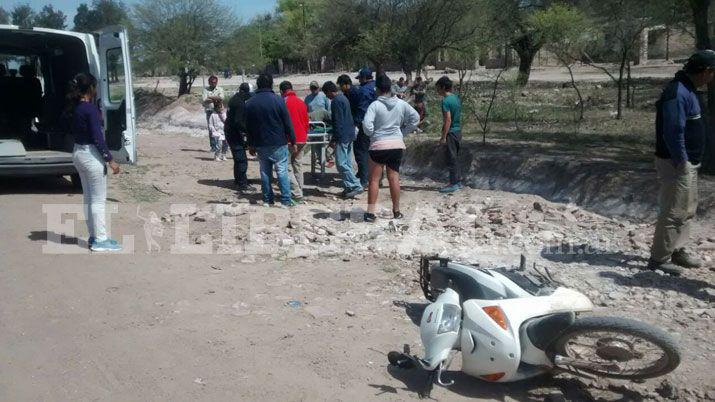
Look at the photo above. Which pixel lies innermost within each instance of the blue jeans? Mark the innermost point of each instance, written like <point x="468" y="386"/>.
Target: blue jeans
<point x="344" y="163"/>
<point x="268" y="157"/>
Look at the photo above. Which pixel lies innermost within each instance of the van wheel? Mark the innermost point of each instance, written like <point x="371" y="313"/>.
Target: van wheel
<point x="76" y="182"/>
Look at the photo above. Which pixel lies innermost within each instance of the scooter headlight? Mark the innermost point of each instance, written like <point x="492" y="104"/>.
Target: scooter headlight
<point x="451" y="317"/>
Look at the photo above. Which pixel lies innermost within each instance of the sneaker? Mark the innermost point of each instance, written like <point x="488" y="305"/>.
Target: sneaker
<point x="268" y="204"/>
<point x="246" y="188"/>
<point x="397" y="215"/>
<point x="685" y="259"/>
<point x="290" y="204"/>
<point x="667" y="267"/>
<point x="217" y="159"/>
<point x="369" y="218"/>
<point x="91" y="241"/>
<point x="451" y="188"/>
<point x="107" y="245"/>
<point x="353" y="193"/>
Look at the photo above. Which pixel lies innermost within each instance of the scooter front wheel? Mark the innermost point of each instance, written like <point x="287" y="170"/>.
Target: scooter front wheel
<point x="616" y="348"/>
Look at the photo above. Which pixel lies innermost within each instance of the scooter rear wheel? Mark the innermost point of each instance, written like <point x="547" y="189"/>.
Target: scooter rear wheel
<point x="617" y="348"/>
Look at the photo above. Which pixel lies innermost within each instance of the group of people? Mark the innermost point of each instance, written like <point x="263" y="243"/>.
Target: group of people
<point x="369" y="122"/>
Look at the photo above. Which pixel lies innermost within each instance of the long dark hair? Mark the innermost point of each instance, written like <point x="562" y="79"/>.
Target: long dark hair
<point x="78" y="86"/>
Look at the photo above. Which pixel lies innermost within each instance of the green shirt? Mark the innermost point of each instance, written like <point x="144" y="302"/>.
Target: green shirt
<point x="453" y="105"/>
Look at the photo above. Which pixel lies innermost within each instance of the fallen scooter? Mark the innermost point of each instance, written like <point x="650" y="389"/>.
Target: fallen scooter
<point x="507" y="333"/>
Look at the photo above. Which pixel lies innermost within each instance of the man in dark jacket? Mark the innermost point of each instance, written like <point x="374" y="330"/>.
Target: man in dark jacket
<point x="270" y="135"/>
<point x="343" y="137"/>
<point x="235" y="135"/>
<point x="360" y="99"/>
<point x="680" y="144"/>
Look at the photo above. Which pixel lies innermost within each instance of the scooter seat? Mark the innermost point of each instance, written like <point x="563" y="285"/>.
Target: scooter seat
<point x="544" y="330"/>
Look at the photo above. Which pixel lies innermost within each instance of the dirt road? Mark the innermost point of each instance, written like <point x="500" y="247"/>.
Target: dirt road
<point x="287" y="324"/>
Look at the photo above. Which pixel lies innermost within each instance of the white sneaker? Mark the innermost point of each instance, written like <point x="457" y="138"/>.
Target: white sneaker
<point x="217" y="159"/>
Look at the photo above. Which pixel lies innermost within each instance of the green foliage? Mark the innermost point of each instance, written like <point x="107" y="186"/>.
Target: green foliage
<point x="102" y="13"/>
<point x="23" y="16"/>
<point x="48" y="17"/>
<point x="245" y="50"/>
<point x="182" y="34"/>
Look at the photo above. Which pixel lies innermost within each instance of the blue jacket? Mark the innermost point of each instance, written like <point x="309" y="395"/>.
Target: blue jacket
<point x="343" y="124"/>
<point x="679" y="126"/>
<point x="367" y="95"/>
<point x="267" y="120"/>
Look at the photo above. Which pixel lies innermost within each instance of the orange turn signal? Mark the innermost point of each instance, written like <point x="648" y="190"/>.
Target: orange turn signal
<point x="493" y="377"/>
<point x="496" y="314"/>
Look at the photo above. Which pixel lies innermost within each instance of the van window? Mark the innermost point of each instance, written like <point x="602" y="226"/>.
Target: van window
<point x="115" y="75"/>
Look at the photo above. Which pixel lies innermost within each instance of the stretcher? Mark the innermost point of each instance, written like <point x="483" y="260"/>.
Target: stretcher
<point x="318" y="140"/>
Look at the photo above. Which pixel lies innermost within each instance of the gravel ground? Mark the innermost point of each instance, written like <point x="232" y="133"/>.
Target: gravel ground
<point x="232" y="300"/>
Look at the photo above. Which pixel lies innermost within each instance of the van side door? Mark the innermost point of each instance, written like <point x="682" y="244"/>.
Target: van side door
<point x="118" y="99"/>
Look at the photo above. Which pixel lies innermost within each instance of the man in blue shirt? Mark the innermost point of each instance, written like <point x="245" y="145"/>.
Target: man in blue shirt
<point x="271" y="136"/>
<point x="343" y="137"/>
<point x="360" y="99"/>
<point x="680" y="145"/>
<point x="316" y="99"/>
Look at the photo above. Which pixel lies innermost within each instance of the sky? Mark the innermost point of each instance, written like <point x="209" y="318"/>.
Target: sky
<point x="244" y="9"/>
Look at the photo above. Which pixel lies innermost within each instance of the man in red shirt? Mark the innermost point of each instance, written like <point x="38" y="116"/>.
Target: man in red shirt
<point x="298" y="111"/>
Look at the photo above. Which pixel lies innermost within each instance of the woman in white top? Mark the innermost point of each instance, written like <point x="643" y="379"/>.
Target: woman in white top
<point x="386" y="121"/>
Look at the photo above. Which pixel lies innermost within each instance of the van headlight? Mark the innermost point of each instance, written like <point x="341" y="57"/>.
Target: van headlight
<point x="451" y="317"/>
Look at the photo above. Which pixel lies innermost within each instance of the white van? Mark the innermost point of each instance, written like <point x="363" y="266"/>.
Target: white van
<point x="34" y="136"/>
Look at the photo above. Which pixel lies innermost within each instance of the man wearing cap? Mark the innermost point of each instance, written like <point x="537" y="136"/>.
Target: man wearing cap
<point x="210" y="96"/>
<point x="316" y="99"/>
<point x="364" y="97"/>
<point x="680" y="145"/>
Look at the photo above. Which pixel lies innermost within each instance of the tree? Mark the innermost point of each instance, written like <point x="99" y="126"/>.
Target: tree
<point x="567" y="34"/>
<point x="246" y="52"/>
<point x="4" y="16"/>
<point x="507" y="22"/>
<point x="102" y="13"/>
<point x="51" y="18"/>
<point x="23" y="16"/>
<point x="184" y="35"/>
<point x="622" y="23"/>
<point x="407" y="32"/>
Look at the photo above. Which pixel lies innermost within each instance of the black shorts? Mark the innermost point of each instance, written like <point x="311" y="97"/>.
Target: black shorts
<point x="390" y="157"/>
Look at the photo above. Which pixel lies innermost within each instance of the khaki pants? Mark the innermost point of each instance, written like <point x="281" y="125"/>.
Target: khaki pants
<point x="296" y="173"/>
<point x="678" y="203"/>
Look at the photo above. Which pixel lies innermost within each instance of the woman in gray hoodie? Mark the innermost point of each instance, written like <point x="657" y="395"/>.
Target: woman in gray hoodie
<point x="386" y="122"/>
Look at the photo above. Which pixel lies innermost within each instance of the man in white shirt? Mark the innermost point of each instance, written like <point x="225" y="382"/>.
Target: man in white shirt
<point x="211" y="95"/>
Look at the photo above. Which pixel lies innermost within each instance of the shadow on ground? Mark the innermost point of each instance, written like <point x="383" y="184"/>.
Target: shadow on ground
<point x="648" y="279"/>
<point x="44" y="235"/>
<point x="583" y="253"/>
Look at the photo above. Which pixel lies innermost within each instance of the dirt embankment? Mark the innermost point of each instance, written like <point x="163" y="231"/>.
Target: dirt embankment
<point x="612" y="182"/>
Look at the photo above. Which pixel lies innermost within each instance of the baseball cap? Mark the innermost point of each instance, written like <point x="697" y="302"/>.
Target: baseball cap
<point x="365" y="72"/>
<point x="701" y="60"/>
<point x="314" y="84"/>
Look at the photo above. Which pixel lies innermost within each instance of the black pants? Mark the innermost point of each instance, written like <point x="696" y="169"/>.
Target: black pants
<point x="361" y="146"/>
<point x="240" y="164"/>
<point x="452" y="156"/>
